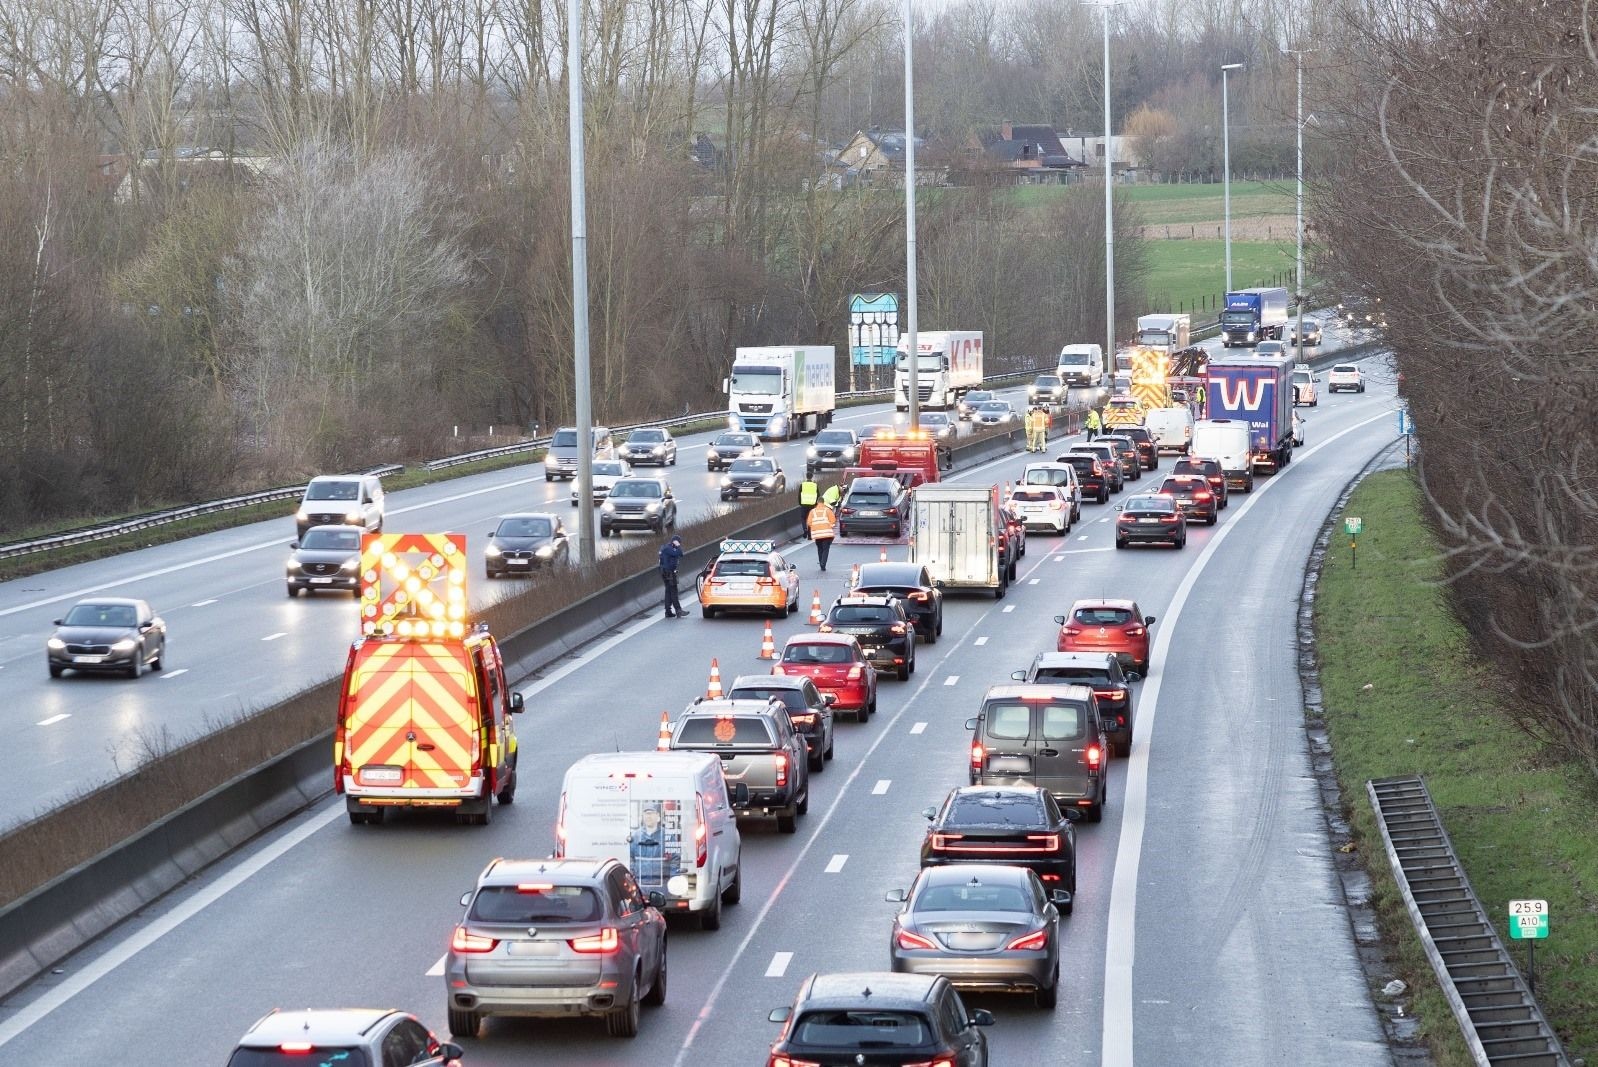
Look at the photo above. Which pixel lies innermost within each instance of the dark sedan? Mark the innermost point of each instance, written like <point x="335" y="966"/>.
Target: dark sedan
<point x="107" y="634"/>
<point x="1150" y="519"/>
<point x="911" y="584"/>
<point x="1210" y="469"/>
<point x="1020" y="825"/>
<point x="874" y="505"/>
<point x="1194" y="496"/>
<point x="522" y="543"/>
<point x="326" y="558"/>
<point x="1089" y="475"/>
<point x="753" y="476"/>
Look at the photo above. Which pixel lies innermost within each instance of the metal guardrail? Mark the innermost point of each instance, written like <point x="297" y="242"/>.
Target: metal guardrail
<point x="106" y="531"/>
<point x="1498" y="1016"/>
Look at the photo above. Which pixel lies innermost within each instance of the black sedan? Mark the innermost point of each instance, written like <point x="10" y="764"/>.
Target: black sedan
<point x="911" y="584"/>
<point x="753" y="476"/>
<point x="887" y="636"/>
<point x="874" y="505"/>
<point x="1019" y="825"/>
<point x="1152" y="519"/>
<point x="326" y="558"/>
<point x="1194" y="496"/>
<point x="107" y="634"/>
<point x="526" y="542"/>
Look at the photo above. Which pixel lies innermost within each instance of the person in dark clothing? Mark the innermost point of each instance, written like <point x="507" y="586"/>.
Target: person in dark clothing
<point x="670" y="556"/>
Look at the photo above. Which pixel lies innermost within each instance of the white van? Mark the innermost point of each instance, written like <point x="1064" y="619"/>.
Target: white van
<point x="1082" y="366"/>
<point x="667" y="815"/>
<point x="1227" y="442"/>
<point x="1172" y="428"/>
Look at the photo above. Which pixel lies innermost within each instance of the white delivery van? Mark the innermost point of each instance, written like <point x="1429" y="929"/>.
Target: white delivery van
<point x="1227" y="442"/>
<point x="1082" y="366"/>
<point x="1172" y="428"/>
<point x="667" y="815"/>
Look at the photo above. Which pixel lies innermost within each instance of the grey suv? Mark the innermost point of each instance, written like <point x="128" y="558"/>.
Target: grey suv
<point x="560" y="459"/>
<point x="343" y="1035"/>
<point x="341" y="500"/>
<point x="553" y="939"/>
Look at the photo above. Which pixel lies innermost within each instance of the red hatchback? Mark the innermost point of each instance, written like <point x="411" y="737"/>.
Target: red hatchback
<point x="1117" y="626"/>
<point x="837" y="666"/>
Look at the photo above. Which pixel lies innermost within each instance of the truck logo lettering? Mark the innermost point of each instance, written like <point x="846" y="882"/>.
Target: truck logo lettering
<point x="1241" y="394"/>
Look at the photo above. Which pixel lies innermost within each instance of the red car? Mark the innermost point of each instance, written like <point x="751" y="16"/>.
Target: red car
<point x="837" y="666"/>
<point x="1117" y="626"/>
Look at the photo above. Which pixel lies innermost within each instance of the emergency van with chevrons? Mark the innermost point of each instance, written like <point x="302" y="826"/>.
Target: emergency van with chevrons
<point x="424" y="717"/>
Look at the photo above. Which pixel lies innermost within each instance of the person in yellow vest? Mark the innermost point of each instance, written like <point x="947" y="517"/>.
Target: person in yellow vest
<point x="832" y="495"/>
<point x="822" y="526"/>
<point x="1037" y="430"/>
<point x="1092" y="425"/>
<point x="809" y="493"/>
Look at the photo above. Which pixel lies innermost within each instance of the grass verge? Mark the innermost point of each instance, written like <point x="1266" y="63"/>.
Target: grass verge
<point x="1190" y="276"/>
<point x="1404" y="694"/>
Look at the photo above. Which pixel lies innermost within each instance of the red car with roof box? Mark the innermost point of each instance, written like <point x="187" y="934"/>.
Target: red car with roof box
<point x="837" y="666"/>
<point x="1117" y="626"/>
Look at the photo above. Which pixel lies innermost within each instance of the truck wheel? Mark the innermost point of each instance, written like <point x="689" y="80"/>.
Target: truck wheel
<point x="507" y="793"/>
<point x="787" y="824"/>
<point x="1001" y="588"/>
<point x="464" y="1023"/>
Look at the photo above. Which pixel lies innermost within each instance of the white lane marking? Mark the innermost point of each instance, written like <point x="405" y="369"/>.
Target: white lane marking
<point x="437" y="969"/>
<point x="1120" y="952"/>
<point x="952" y="679"/>
<point x="53" y="719"/>
<point x="881" y="787"/>
<point x="1059" y="559"/>
<point x="202" y="603"/>
<point x="1083" y="537"/>
<point x="274" y="637"/>
<point x="918" y="728"/>
<point x="1033" y="581"/>
<point x="1009" y="608"/>
<point x="835" y="864"/>
<point x="779" y="964"/>
<point x="979" y="642"/>
<point x="174" y="674"/>
<point x="149" y="935"/>
<point x="1080" y="551"/>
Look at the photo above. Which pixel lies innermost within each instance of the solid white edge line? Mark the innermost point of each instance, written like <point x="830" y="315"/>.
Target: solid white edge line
<point x="1117" y="1038"/>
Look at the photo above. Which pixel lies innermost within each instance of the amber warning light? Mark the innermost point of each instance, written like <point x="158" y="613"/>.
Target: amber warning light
<point x="413" y="585"/>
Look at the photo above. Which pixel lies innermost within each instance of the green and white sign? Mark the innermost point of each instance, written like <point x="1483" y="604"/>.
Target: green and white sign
<point x="1528" y="920"/>
<point x="1353" y="525"/>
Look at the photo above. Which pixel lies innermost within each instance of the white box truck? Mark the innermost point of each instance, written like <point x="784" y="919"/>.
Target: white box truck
<point x="1168" y="333"/>
<point x="959" y="533"/>
<point x="779" y="392"/>
<point x="948" y="365"/>
<point x="667" y="815"/>
<point x="1227" y="442"/>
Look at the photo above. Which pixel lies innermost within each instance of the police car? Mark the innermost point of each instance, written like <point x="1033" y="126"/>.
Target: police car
<point x="749" y="575"/>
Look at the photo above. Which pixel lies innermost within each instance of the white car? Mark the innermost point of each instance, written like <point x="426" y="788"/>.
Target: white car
<point x="1304" y="387"/>
<point x="1042" y="507"/>
<point x="1060" y="475"/>
<point x="607" y="472"/>
<point x="1345" y="376"/>
<point x="995" y="413"/>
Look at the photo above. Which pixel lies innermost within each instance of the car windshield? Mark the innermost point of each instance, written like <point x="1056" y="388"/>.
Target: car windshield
<point x="934" y="418"/>
<point x="1047" y="380"/>
<point x="994" y="808"/>
<point x="534" y="527"/>
<point x="752" y="466"/>
<point x="1151" y="503"/>
<point x="734" y="440"/>
<point x="835" y="437"/>
<point x="725" y="730"/>
<point x="1103" y="616"/>
<point x="535" y="903"/>
<point x="972" y="896"/>
<point x="320" y="1056"/>
<point x="331" y="540"/>
<point x="646" y="437"/>
<point x="742" y="568"/>
<point x="995" y="406"/>
<point x="609" y="468"/>
<point x="849" y="1028"/>
<point x="646" y="490"/>
<point x="859" y="614"/>
<point x="564" y="439"/>
<point x="333" y="491"/>
<point x="121" y="615"/>
<point x="805" y="652"/>
<point x="1075" y="359"/>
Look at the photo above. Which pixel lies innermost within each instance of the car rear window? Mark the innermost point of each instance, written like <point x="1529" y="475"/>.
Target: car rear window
<point x="1063" y="722"/>
<point x="1345" y="368"/>
<point x="817" y="653"/>
<point x="535" y="903"/>
<point x="319" y="1056"/>
<point x="1070" y="675"/>
<point x="1081" y="463"/>
<point x="972" y="896"/>
<point x="1036" y="495"/>
<point x="1020" y="809"/>
<point x="1047" y="477"/>
<point x="792" y="699"/>
<point x="869" y="496"/>
<point x="742" y="568"/>
<point x="852" y="615"/>
<point x="1008" y="722"/>
<point x="1185" y="485"/>
<point x="861" y="1029"/>
<point x="1103" y="616"/>
<point x="725" y="730"/>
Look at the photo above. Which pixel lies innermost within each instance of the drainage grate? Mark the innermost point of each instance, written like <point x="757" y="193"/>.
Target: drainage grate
<point x="1500" y="1020"/>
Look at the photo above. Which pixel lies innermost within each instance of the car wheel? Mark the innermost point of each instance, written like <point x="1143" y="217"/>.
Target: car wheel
<point x="160" y="656"/>
<point x="803" y="807"/>
<point x="1119" y="543"/>
<point x="1048" y="996"/>
<point x="735" y="892"/>
<point x="1182" y="543"/>
<point x="1123" y="749"/>
<point x="1096" y="812"/>
<point x="55" y="671"/>
<point x="831" y="742"/>
<point x="817" y="761"/>
<point x="706" y="612"/>
<point x="710" y="918"/>
<point x="898" y="528"/>
<point x="1104" y="494"/>
<point x="465" y="1023"/>
<point x="787" y="824"/>
<point x="623" y="1022"/>
<point x="490" y="575"/>
<point x="549" y="478"/>
<point x="871" y="708"/>
<point x="1213" y="519"/>
<point x="793" y="608"/>
<point x="294" y="590"/>
<point x="904" y="670"/>
<point x="843" y="531"/>
<point x="657" y="992"/>
<point x="136" y="668"/>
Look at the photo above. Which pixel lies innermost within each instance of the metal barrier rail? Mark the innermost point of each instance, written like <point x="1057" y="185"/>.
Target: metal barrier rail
<point x="1500" y="1020"/>
<point x="106" y="531"/>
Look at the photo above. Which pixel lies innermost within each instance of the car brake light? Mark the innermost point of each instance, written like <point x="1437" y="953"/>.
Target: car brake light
<point x="846" y="511"/>
<point x="976" y="757"/>
<point x="467" y="942"/>
<point x="1051" y="842"/>
<point x="940" y="841"/>
<point x="1201" y="494"/>
<point x="780" y="761"/>
<point x="295" y="1048"/>
<point x="919" y="595"/>
<point x="606" y="941"/>
<point x="897" y="627"/>
<point x="1135" y="631"/>
<point x="1071" y="631"/>
<point x="825" y="628"/>
<point x="784" y="1061"/>
<point x="766" y="581"/>
<point x="893" y="511"/>
<point x="800" y="717"/>
<point x="854" y="673"/>
<point x="1111" y="694"/>
<point x="1036" y="940"/>
<point x="1095" y="756"/>
<point x="560" y="829"/>
<point x="905" y="939"/>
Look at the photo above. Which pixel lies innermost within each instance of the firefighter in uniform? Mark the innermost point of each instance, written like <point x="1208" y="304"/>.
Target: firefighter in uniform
<point x="809" y="493"/>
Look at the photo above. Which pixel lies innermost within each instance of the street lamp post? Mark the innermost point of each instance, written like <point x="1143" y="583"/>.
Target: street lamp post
<point x="912" y="352"/>
<point x="1226" y="169"/>
<point x="579" y="206"/>
<point x="1298" y="280"/>
<point x="1109" y="200"/>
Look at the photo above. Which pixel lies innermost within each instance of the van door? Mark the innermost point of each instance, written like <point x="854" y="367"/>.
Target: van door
<point x="1061" y="734"/>
<point x="410" y="724"/>
<point x="1006" y="733"/>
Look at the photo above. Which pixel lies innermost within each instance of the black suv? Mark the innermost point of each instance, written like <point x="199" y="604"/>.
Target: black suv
<point x="1089" y="475"/>
<point x="1148" y="449"/>
<point x="1015" y="824"/>
<point x="1126" y="451"/>
<point x="809" y="709"/>
<point x="1112" y="687"/>
<point x="1210" y="469"/>
<point x="911" y="584"/>
<point x="880" y="1018"/>
<point x="887" y="636"/>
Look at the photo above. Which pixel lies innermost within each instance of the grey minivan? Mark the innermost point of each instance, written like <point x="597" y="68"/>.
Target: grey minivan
<point x="1047" y="736"/>
<point x="560" y="459"/>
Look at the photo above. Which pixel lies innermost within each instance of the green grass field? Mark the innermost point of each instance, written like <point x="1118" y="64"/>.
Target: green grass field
<point x="1520" y="815"/>
<point x="1187" y="204"/>
<point x="1191" y="275"/>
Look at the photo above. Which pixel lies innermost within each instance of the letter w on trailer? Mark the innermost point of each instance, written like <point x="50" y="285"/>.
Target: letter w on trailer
<point x="1257" y="390"/>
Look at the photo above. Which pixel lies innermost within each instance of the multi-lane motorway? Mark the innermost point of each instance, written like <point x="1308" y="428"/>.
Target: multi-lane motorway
<point x="1208" y="920"/>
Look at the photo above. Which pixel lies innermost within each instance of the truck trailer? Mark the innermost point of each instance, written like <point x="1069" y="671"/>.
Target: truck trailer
<point x="958" y="532"/>
<point x="1250" y="316"/>
<point x="1167" y="333"/>
<point x="948" y="365"/>
<point x="779" y="391"/>
<point x="1257" y="390"/>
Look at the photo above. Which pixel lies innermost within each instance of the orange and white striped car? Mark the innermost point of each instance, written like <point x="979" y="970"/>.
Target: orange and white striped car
<point x="749" y="576"/>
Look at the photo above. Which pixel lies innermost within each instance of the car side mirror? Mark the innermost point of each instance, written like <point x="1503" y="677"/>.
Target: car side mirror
<point x="1019" y="676"/>
<point x="779" y="1015"/>
<point x="972" y="723"/>
<point x="1060" y="898"/>
<point x="517" y="705"/>
<point x="1119" y="507"/>
<point x="466" y="900"/>
<point x="981" y="1017"/>
<point x="895" y="896"/>
<point x="656" y="899"/>
<point x="929" y="813"/>
<point x="55" y="622"/>
<point x="829" y="699"/>
<point x="294" y="545"/>
<point x="1060" y="619"/>
<point x="1133" y="676"/>
<point x="451" y="1054"/>
<point x="488" y="534"/>
<point x="1148" y="620"/>
<point x="740" y="793"/>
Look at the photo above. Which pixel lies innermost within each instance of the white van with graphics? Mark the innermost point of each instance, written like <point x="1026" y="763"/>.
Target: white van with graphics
<point x="667" y="815"/>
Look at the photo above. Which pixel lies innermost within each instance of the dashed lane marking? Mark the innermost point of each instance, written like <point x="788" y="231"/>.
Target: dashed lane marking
<point x="52" y="720"/>
<point x="953" y="679"/>
<point x="174" y="674"/>
<point x="779" y="964"/>
<point x="979" y="642"/>
<point x="835" y="864"/>
<point x="274" y="637"/>
<point x="881" y="787"/>
<point x="919" y="728"/>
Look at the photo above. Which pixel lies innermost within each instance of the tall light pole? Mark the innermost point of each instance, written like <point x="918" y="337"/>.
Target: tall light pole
<point x="1226" y="170"/>
<point x="1109" y="200"/>
<point x="585" y="415"/>
<point x="1298" y="275"/>
<point x="912" y="351"/>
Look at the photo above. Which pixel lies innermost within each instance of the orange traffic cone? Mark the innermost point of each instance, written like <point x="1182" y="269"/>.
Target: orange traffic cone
<point x="714" y="691"/>
<point x="665" y="732"/>
<point x="768" y="647"/>
<point x="816" y="618"/>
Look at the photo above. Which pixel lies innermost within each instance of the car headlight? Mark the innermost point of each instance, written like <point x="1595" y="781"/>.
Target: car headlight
<point x="712" y="455"/>
<point x="302" y="515"/>
<point x="353" y="518"/>
<point x="769" y="480"/>
<point x="659" y="450"/>
<point x="726" y="481"/>
<point x="494" y="550"/>
<point x="549" y="459"/>
<point x="544" y="551"/>
<point x="351" y="564"/>
<point x="849" y="451"/>
<point x="124" y="645"/>
<point x="55" y="644"/>
<point x="652" y="508"/>
<point x="295" y="565"/>
<point x="810" y="453"/>
<point x="607" y="508"/>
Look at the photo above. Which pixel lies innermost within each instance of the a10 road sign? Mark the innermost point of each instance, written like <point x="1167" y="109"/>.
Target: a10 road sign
<point x="1528" y="920"/>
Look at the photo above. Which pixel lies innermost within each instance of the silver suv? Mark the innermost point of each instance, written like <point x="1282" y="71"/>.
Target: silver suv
<point x="556" y="938"/>
<point x="341" y="500"/>
<point x="560" y="459"/>
<point x="355" y="1037"/>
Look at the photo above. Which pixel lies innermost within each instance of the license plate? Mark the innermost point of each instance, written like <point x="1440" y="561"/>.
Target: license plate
<point x="740" y="587"/>
<point x="1149" y="522"/>
<point x="382" y="775"/>
<point x="518" y="562"/>
<point x="88" y="659"/>
<point x="869" y="650"/>
<point x="872" y="513"/>
<point x="321" y="581"/>
<point x="533" y="948"/>
<point x="1010" y="764"/>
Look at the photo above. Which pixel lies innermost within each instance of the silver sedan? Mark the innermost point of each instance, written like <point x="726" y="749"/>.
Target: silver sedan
<point x="981" y="926"/>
